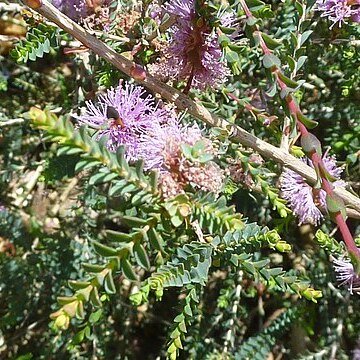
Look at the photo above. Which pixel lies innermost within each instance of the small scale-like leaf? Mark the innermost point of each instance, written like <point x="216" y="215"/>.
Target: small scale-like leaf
<point x="103" y="177"/>
<point x="76" y="285"/>
<point x="85" y="164"/>
<point x="128" y="270"/>
<point x="94" y="298"/>
<point x="141" y="256"/>
<point x="271" y="42"/>
<point x="95" y="316"/>
<point x="270" y="60"/>
<point x="310" y="124"/>
<point x="305" y="36"/>
<point x="104" y="250"/>
<point x="92" y="268"/>
<point x="109" y="283"/>
<point x="289" y="82"/>
<point x="118" y="236"/>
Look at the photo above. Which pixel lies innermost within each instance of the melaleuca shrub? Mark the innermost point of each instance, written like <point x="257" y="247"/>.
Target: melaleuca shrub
<point x="179" y="179"/>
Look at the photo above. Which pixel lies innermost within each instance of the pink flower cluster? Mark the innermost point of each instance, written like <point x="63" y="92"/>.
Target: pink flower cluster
<point x="129" y="116"/>
<point x="302" y="198"/>
<point x="339" y="11"/>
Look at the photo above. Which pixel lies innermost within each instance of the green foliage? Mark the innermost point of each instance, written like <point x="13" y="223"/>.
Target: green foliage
<point x="39" y="41"/>
<point x="258" y="347"/>
<point x="96" y="263"/>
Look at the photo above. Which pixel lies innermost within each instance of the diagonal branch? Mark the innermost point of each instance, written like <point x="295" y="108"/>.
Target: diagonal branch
<point x="183" y="102"/>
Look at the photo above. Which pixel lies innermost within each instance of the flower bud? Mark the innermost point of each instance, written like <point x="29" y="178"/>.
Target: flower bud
<point x="334" y="204"/>
<point x="33" y="4"/>
<point x="137" y="72"/>
<point x="283" y="246"/>
<point x="62" y="322"/>
<point x="310" y="144"/>
<point x="312" y="294"/>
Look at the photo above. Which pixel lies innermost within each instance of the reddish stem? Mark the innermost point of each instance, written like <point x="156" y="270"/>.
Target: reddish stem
<point x="247" y="11"/>
<point x="345" y="232"/>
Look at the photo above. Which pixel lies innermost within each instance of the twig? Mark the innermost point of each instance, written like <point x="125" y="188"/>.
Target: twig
<point x="183" y="102"/>
<point x="10" y="7"/>
<point x="5" y="38"/>
<point x="230" y="334"/>
<point x="11" y="122"/>
<point x="284" y="144"/>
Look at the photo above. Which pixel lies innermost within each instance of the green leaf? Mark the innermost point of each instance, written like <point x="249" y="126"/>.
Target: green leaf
<point x="300" y="62"/>
<point x="134" y="221"/>
<point x="272" y="91"/>
<point x="291" y="62"/>
<point x="232" y="56"/>
<point x="255" y="5"/>
<point x="109" y="283"/>
<point x="224" y="41"/>
<point x="177" y="219"/>
<point x="141" y="256"/>
<point x="270" y="60"/>
<point x="299" y="8"/>
<point x="76" y="285"/>
<point x="305" y="36"/>
<point x="104" y="250"/>
<point x="271" y="42"/>
<point x="291" y="83"/>
<point x="94" y="297"/>
<point x="95" y="317"/>
<point x="118" y="236"/>
<point x="156" y="240"/>
<point x="310" y="124"/>
<point x="128" y="270"/>
<point x="92" y="268"/>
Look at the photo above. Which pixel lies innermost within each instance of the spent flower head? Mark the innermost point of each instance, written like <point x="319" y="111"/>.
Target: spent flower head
<point x="92" y="13"/>
<point x="302" y="198"/>
<point x="162" y="148"/>
<point x="74" y="9"/>
<point x="123" y="114"/>
<point x="339" y="11"/>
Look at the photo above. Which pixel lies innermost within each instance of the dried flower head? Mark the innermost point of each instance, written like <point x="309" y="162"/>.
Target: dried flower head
<point x="339" y="11"/>
<point x="123" y="114"/>
<point x="194" y="54"/>
<point x="93" y="13"/>
<point x="161" y="148"/>
<point x="346" y="274"/>
<point x="74" y="9"/>
<point x="304" y="199"/>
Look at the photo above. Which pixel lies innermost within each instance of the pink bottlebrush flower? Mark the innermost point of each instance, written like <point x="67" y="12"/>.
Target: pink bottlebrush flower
<point x="339" y="11"/>
<point x="304" y="199"/>
<point x="346" y="274"/>
<point x="123" y="115"/>
<point x="194" y="54"/>
<point x="356" y="352"/>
